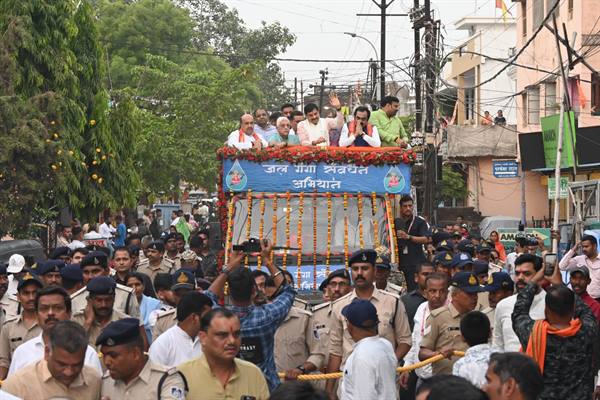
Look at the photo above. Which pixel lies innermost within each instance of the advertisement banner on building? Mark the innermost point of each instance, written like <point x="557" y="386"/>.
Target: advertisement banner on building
<point x="550" y="139"/>
<point x="507" y="235"/>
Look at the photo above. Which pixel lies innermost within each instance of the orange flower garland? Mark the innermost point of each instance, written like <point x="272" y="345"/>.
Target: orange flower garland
<point x="274" y="228"/>
<point x="229" y="237"/>
<point x="375" y="223"/>
<point x="300" y="213"/>
<point x="261" y="228"/>
<point x="288" y="212"/>
<point x="314" y="202"/>
<point x="390" y="214"/>
<point x="361" y="239"/>
<point x="327" y="257"/>
<point x="248" y="222"/>
<point x="346" y="229"/>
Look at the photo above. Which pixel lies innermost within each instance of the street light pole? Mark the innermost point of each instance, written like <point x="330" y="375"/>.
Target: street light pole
<point x="354" y="35"/>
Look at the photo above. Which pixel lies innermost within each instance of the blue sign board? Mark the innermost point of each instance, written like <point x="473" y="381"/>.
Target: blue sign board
<point x="307" y="273"/>
<point x="505" y="168"/>
<point x="278" y="177"/>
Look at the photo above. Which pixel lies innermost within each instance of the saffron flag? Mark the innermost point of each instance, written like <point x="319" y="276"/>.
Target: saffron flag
<point x="501" y="5"/>
<point x="581" y="94"/>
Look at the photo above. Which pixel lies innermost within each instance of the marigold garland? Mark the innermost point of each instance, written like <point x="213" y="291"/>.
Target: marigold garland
<point x="261" y="229"/>
<point x="328" y="254"/>
<point x="300" y="214"/>
<point x="274" y="228"/>
<point x="288" y="212"/>
<point x="390" y="214"/>
<point x="229" y="237"/>
<point x="346" y="229"/>
<point x="375" y="223"/>
<point x="314" y="202"/>
<point x="305" y="154"/>
<point x="248" y="222"/>
<point x="361" y="239"/>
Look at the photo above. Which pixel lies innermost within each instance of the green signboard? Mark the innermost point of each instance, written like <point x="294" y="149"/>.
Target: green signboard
<point x="507" y="235"/>
<point x="564" y="188"/>
<point x="550" y="138"/>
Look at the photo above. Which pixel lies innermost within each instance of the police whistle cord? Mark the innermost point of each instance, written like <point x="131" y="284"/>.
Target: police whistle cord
<point x="336" y="375"/>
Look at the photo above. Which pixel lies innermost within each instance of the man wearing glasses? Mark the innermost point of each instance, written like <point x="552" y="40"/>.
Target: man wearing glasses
<point x="359" y="132"/>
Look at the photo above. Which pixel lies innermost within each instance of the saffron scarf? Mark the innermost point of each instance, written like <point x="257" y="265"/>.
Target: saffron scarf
<point x="536" y="347"/>
<point x="243" y="135"/>
<point x="352" y="128"/>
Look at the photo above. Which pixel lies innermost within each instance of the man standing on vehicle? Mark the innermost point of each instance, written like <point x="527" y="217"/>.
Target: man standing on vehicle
<point x="389" y="125"/>
<point x="412" y="234"/>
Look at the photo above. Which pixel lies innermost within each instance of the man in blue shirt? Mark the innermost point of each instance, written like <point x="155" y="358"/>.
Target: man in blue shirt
<point x="121" y="231"/>
<point x="259" y="323"/>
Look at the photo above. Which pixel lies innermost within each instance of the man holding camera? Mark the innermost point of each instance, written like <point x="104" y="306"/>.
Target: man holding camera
<point x="258" y="323"/>
<point x="359" y="132"/>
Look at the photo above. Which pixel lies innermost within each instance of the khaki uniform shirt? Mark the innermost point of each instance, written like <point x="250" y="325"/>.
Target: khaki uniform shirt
<point x="13" y="334"/>
<point x="320" y="328"/>
<point x="35" y="382"/>
<point x="96" y="329"/>
<point x="166" y="266"/>
<point x="145" y="385"/>
<point x="11" y="306"/>
<point x="125" y="301"/>
<point x="295" y="343"/>
<point x="444" y="330"/>
<point x="483" y="301"/>
<point x="393" y="322"/>
<point x="175" y="261"/>
<point x="246" y="380"/>
<point x="164" y="321"/>
<point x="491" y="314"/>
<point x="301" y="304"/>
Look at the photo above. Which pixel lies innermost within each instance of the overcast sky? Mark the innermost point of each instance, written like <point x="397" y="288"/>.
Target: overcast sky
<point x="319" y="26"/>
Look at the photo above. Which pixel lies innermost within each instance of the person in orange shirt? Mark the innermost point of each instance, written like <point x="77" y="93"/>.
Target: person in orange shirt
<point x="495" y="239"/>
<point x="487" y="118"/>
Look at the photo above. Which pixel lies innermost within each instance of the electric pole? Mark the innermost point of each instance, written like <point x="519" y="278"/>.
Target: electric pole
<point x="295" y="92"/>
<point x="416" y="18"/>
<point x="322" y="87"/>
<point x="383" y="6"/>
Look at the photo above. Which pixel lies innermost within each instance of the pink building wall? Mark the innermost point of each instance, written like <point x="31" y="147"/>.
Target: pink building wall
<point x="502" y="196"/>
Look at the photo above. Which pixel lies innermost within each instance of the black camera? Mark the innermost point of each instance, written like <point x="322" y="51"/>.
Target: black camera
<point x="252" y="245"/>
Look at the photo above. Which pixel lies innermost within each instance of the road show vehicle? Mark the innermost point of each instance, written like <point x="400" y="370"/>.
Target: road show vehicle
<point x="317" y="205"/>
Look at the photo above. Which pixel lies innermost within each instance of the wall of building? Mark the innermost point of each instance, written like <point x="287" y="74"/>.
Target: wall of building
<point x="542" y="53"/>
<point x="502" y="196"/>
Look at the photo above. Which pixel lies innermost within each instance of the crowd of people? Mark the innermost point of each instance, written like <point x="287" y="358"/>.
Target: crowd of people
<point x="290" y="127"/>
<point x="158" y="318"/>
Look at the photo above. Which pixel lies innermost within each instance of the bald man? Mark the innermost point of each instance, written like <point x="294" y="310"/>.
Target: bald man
<point x="245" y="138"/>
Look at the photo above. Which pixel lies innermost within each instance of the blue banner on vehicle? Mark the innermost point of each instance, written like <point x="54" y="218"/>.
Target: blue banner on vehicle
<point x="307" y="274"/>
<point x="278" y="177"/>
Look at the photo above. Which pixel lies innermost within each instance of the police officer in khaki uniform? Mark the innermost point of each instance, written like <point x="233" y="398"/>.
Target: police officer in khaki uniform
<point x="183" y="281"/>
<point x="392" y="315"/>
<point x="499" y="286"/>
<point x="297" y="350"/>
<point x="99" y="312"/>
<point x="23" y="327"/>
<point x="96" y="264"/>
<point x="443" y="333"/>
<point x="130" y="373"/>
<point x="171" y="254"/>
<point x="156" y="263"/>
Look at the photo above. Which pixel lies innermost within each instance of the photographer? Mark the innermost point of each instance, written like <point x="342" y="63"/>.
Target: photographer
<point x="258" y="323"/>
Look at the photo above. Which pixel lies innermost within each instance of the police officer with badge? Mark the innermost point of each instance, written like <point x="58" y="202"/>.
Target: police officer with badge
<point x="393" y="324"/>
<point x="443" y="336"/>
<point x="130" y="373"/>
<point x="156" y="263"/>
<point x="96" y="264"/>
<point x="383" y="268"/>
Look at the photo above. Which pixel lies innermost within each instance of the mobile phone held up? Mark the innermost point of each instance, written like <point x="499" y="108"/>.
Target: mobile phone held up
<point x="549" y="264"/>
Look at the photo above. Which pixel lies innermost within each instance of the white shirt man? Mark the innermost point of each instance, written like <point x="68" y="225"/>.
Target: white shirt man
<point x="33" y="350"/>
<point x="174" y="347"/>
<point x="346" y="139"/>
<point x="106" y="230"/>
<point x="419" y="329"/>
<point x="241" y="141"/>
<point x="503" y="335"/>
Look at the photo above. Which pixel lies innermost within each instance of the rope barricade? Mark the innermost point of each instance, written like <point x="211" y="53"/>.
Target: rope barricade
<point x="336" y="375"/>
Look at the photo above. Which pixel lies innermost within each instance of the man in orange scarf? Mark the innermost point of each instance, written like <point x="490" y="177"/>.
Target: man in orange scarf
<point x="564" y="343"/>
<point x="245" y="138"/>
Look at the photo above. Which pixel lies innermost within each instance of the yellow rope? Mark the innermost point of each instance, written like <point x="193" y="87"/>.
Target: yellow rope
<point x="336" y="375"/>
